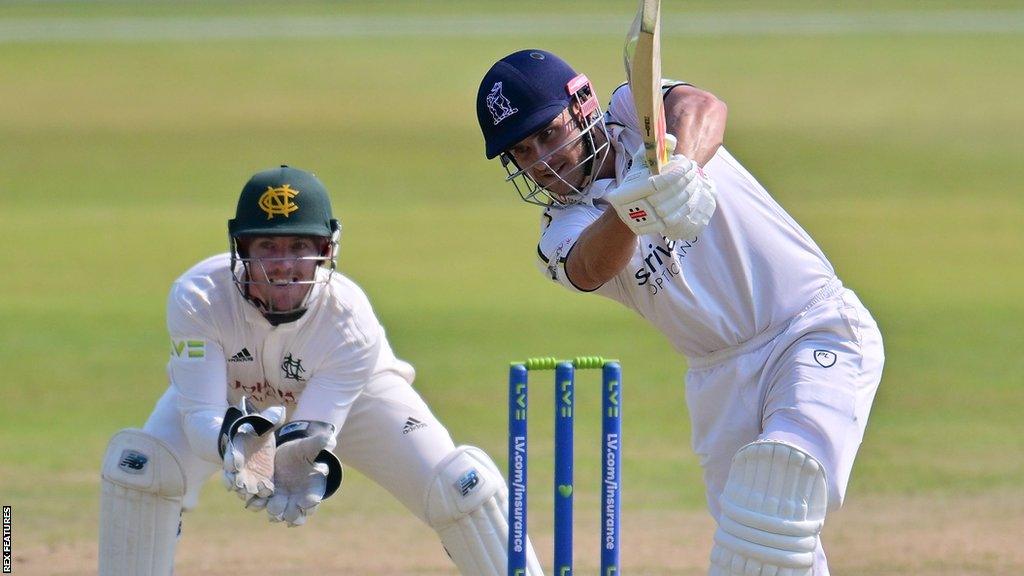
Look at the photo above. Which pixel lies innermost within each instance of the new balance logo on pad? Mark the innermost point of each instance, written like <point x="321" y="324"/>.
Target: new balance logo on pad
<point x="412" y="424"/>
<point x="133" y="462"/>
<point x="242" y="356"/>
<point x="468" y="482"/>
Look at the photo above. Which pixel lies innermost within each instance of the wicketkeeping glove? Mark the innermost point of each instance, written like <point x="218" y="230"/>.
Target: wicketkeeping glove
<point x="247" y="445"/>
<point x="305" y="471"/>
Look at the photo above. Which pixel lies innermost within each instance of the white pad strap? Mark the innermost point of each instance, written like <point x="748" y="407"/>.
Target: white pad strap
<point x="773" y="508"/>
<point x="466" y="506"/>
<point x="140" y="506"/>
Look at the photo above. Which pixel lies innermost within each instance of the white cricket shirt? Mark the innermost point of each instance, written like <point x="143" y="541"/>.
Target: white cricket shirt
<point x="750" y="271"/>
<point x="222" y="348"/>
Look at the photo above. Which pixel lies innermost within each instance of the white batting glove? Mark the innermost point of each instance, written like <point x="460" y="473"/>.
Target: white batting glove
<point x="685" y="198"/>
<point x="249" y="454"/>
<point x="630" y="202"/>
<point x="677" y="204"/>
<point x="305" y="471"/>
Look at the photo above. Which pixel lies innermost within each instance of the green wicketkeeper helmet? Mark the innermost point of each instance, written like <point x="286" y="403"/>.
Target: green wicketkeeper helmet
<point x="282" y="201"/>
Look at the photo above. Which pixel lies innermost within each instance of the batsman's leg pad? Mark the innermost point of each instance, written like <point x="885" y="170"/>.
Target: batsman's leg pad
<point x="467" y="504"/>
<point x="140" y="506"/>
<point x="773" y="508"/>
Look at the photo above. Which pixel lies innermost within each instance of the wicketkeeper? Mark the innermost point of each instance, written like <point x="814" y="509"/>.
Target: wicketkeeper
<point x="783" y="361"/>
<point x="280" y="371"/>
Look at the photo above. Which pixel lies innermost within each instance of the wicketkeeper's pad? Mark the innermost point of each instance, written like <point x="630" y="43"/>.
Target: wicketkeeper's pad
<point x="467" y="506"/>
<point x="140" y="506"/>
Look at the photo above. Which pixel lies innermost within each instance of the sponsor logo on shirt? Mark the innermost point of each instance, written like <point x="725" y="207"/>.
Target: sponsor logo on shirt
<point x="824" y="358"/>
<point x="662" y="263"/>
<point x="242" y="356"/>
<point x="188" y="349"/>
<point x="557" y="259"/>
<point x="264" y="393"/>
<point x="411" y="425"/>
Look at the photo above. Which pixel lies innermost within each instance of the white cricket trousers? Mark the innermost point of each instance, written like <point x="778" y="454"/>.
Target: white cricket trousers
<point x="390" y="436"/>
<point x="810" y="384"/>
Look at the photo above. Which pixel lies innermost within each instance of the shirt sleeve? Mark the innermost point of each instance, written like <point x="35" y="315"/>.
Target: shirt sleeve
<point x="621" y="110"/>
<point x="560" y="229"/>
<point x="197" y="369"/>
<point x="338" y="382"/>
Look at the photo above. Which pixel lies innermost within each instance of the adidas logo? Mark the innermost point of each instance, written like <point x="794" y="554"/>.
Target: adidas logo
<point x="242" y="356"/>
<point x="411" y="425"/>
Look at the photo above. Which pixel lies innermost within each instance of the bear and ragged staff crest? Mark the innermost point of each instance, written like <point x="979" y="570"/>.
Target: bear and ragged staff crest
<point x="499" y="105"/>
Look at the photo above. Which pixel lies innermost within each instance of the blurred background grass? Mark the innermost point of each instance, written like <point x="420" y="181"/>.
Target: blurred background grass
<point x="121" y="159"/>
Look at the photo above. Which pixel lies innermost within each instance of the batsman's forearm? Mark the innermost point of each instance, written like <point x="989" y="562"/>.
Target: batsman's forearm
<point x="697" y="119"/>
<point x="601" y="252"/>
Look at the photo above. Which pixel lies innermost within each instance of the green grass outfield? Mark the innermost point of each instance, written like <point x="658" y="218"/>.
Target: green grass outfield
<point x="126" y="131"/>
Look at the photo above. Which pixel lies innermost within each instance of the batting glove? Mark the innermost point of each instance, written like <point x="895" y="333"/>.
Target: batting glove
<point x="685" y="198"/>
<point x="677" y="204"/>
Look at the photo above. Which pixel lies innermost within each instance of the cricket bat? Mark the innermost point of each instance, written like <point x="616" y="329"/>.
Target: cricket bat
<point x="642" y="57"/>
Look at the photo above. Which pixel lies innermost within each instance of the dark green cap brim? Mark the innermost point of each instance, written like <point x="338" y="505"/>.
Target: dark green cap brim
<point x="280" y="228"/>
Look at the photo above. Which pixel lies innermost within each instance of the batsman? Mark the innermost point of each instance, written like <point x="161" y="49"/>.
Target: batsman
<point x="782" y="360"/>
<point x="279" y="372"/>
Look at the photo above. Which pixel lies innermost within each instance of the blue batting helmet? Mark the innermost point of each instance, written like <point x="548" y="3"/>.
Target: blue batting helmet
<point x="519" y="95"/>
